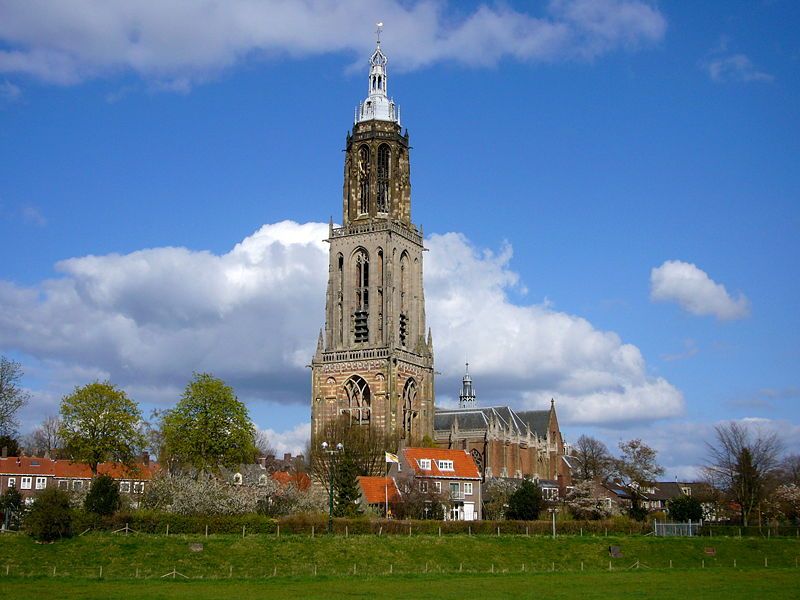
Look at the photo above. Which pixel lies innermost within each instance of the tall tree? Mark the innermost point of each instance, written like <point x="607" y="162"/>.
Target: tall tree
<point x="209" y="427"/>
<point x="45" y="439"/>
<point x="100" y="423"/>
<point x="10" y="444"/>
<point x="526" y="502"/>
<point x="346" y="491"/>
<point x="744" y="463"/>
<point x="594" y="459"/>
<point x="12" y="397"/>
<point x="636" y="468"/>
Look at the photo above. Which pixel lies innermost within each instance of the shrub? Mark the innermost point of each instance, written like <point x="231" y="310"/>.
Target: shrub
<point x="685" y="508"/>
<point x="525" y="503"/>
<point x="11" y="507"/>
<point x="103" y="496"/>
<point x="50" y="517"/>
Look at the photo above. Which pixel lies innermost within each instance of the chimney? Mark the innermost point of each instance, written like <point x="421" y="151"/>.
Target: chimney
<point x="5" y="451"/>
<point x="146" y="459"/>
<point x="287" y="457"/>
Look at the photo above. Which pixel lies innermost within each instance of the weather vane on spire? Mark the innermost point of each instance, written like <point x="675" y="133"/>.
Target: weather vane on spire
<point x="378" y="31"/>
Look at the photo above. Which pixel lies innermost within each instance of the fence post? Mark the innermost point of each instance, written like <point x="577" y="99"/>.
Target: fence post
<point x="243" y="526"/>
<point x="346" y="531"/>
<point x="460" y="567"/>
<point x="206" y="530"/>
<point x="469" y="530"/>
<point x="275" y="570"/>
<point x="440" y="532"/>
<point x="609" y="565"/>
<point x="230" y="571"/>
<point x="101" y="571"/>
<point x="312" y="535"/>
<point x="279" y="531"/>
<point x="526" y="531"/>
<point x="492" y="567"/>
<point x="498" y="531"/>
<point x="734" y="563"/>
<point x="167" y="528"/>
<point x="765" y="561"/>
<point x="581" y="565"/>
<point x="670" y="563"/>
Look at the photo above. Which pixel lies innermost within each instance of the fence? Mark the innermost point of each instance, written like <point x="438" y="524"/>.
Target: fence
<point x="676" y="529"/>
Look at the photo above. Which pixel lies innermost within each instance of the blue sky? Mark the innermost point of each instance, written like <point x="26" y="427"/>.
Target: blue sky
<point x="609" y="190"/>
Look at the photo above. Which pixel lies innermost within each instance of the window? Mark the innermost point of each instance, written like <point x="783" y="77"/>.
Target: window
<point x="423" y="486"/>
<point x="363" y="178"/>
<point x="467" y="488"/>
<point x="438" y="486"/>
<point x="41" y="483"/>
<point x="63" y="484"/>
<point x="361" y="313"/>
<point x="425" y="464"/>
<point x="358" y="398"/>
<point x="125" y="487"/>
<point x="409" y="400"/>
<point x="383" y="178"/>
<point x="446" y="465"/>
<point x="77" y="484"/>
<point x="138" y="487"/>
<point x="25" y="483"/>
<point x="455" y="490"/>
<point x="12" y="482"/>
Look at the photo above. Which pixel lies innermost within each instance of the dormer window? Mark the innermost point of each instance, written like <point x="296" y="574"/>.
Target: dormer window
<point x="445" y="465"/>
<point x="425" y="464"/>
<point x="237" y="479"/>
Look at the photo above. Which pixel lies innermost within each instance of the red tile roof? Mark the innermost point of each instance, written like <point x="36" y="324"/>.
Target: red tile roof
<point x="376" y="489"/>
<point x="30" y="465"/>
<point x="463" y="465"/>
<point x="301" y="480"/>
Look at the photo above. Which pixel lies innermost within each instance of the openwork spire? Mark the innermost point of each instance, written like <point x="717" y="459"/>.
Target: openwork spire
<point x="378" y="105"/>
<point x="466" y="399"/>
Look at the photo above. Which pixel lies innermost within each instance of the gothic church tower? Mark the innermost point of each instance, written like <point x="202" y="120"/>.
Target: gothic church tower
<point x="374" y="360"/>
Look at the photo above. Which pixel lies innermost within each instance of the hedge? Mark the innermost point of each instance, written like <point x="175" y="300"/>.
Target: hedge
<point x="145" y="521"/>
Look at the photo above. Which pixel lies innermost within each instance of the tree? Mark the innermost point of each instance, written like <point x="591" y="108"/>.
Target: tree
<point x="744" y="464"/>
<point x="11" y="505"/>
<point x="209" y="427"/>
<point x="594" y="459"/>
<point x="345" y="485"/>
<point x="10" y="443"/>
<point x="100" y="423"/>
<point x="496" y="492"/>
<point x="103" y="497"/>
<point x="12" y="397"/>
<point x="582" y="502"/>
<point x="45" y="439"/>
<point x="636" y="468"/>
<point x="685" y="508"/>
<point x="790" y="469"/>
<point x="50" y="517"/>
<point x="526" y="502"/>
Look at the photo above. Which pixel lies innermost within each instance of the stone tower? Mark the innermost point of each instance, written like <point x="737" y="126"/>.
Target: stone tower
<point x="374" y="359"/>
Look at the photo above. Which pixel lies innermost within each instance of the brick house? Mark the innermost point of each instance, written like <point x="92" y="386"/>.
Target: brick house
<point x="30" y="475"/>
<point x="452" y="472"/>
<point x="380" y="493"/>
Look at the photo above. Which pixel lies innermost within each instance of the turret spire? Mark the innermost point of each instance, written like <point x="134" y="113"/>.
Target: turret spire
<point x="466" y="399"/>
<point x="378" y="105"/>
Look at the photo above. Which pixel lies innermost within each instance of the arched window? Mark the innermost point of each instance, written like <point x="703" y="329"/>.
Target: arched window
<point x="404" y="275"/>
<point x="384" y="154"/>
<point x="363" y="179"/>
<point x="409" y="401"/>
<point x="361" y="312"/>
<point x="358" y="399"/>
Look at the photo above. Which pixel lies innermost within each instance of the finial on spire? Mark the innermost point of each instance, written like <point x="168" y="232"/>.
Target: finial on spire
<point x="378" y="31"/>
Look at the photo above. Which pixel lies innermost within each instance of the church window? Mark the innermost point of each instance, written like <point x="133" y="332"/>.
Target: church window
<point x="361" y="313"/>
<point x="384" y="155"/>
<point x="363" y="179"/>
<point x="359" y="400"/>
<point x="403" y="321"/>
<point x="409" y="402"/>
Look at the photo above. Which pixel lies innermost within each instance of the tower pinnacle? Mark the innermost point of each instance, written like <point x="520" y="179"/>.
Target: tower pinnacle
<point x="377" y="105"/>
<point x="466" y="399"/>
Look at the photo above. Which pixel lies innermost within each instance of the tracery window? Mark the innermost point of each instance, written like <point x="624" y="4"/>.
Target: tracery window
<point x="363" y="179"/>
<point x="361" y="313"/>
<point x="384" y="155"/>
<point x="409" y="401"/>
<point x="358" y="399"/>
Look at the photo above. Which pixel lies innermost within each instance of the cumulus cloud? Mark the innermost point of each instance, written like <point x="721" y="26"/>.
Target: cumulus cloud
<point x="695" y="291"/>
<point x="176" y="42"/>
<point x="734" y="67"/>
<point x="292" y="440"/>
<point x="148" y="319"/>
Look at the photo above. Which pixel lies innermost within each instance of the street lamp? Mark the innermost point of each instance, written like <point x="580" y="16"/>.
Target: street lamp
<point x="330" y="451"/>
<point x="553" y="512"/>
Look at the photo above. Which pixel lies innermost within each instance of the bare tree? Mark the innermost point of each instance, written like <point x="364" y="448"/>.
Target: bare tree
<point x="790" y="469"/>
<point x="594" y="459"/>
<point x="743" y="462"/>
<point x="263" y="444"/>
<point x="12" y="397"/>
<point x="637" y="468"/>
<point x="45" y="439"/>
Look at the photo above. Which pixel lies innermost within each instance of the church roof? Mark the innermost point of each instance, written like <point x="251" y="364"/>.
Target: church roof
<point x="505" y="416"/>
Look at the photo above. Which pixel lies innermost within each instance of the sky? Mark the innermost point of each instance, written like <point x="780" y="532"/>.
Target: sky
<point x="609" y="191"/>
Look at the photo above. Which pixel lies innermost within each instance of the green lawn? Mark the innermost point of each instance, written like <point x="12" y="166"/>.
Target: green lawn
<point x="264" y="566"/>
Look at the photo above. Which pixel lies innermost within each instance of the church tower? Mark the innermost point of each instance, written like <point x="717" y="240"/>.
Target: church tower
<point x="374" y="359"/>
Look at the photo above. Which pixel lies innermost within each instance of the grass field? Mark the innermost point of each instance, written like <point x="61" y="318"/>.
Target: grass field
<point x="261" y="566"/>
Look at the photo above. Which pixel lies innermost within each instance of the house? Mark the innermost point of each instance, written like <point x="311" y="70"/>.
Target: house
<point x="445" y="471"/>
<point x="380" y="493"/>
<point x="30" y="475"/>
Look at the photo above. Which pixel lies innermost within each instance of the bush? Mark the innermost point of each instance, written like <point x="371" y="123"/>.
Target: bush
<point x="50" y="517"/>
<point x="685" y="508"/>
<point x="11" y="507"/>
<point x="103" y="497"/>
<point x="525" y="503"/>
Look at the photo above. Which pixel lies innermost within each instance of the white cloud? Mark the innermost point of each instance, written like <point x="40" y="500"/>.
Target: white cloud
<point x="175" y="42"/>
<point x="734" y="67"/>
<point x="695" y="291"/>
<point x="251" y="316"/>
<point x="9" y="92"/>
<point x="292" y="440"/>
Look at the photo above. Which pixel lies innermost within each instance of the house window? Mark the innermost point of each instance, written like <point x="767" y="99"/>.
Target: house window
<point x="63" y="484"/>
<point x="77" y="484"/>
<point x="125" y="487"/>
<point x="455" y="489"/>
<point x="607" y="502"/>
<point x="425" y="464"/>
<point x="25" y="483"/>
<point x="423" y="486"/>
<point x="138" y="487"/>
<point x="446" y="465"/>
<point x="12" y="482"/>
<point x="467" y="488"/>
<point x="438" y="486"/>
<point x="41" y="483"/>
